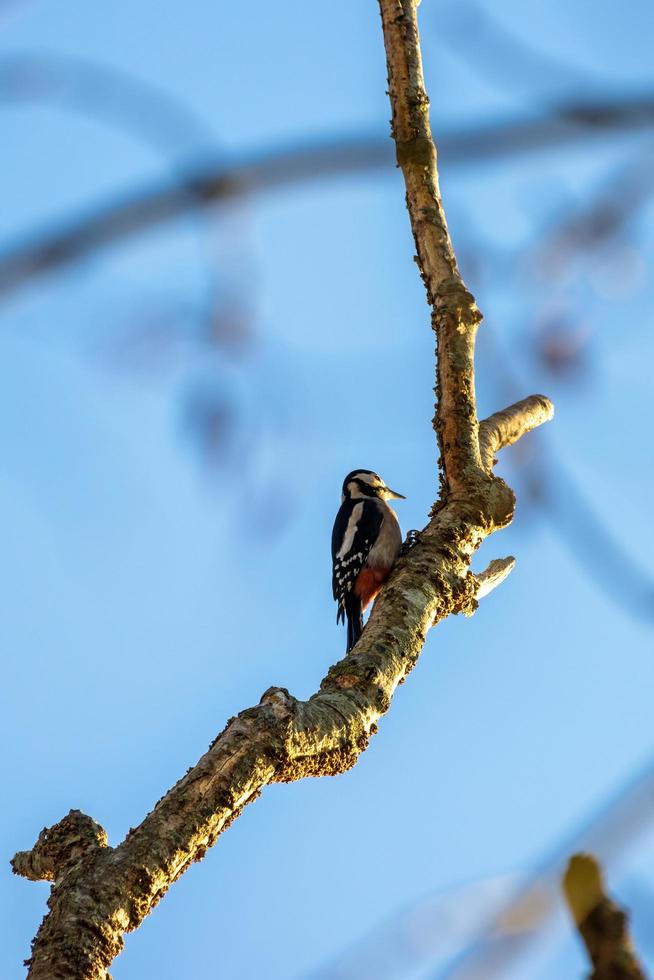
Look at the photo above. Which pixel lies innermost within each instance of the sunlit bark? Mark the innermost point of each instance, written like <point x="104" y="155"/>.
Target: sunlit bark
<point x="100" y="892"/>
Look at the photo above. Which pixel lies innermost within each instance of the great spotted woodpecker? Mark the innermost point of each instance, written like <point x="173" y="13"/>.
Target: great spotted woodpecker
<point x="365" y="543"/>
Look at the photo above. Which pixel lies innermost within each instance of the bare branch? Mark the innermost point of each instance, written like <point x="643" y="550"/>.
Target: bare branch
<point x="101" y="892"/>
<point x="455" y="316"/>
<point x="504" y="428"/>
<point x="498" y="569"/>
<point x="60" y="847"/>
<point x="214" y="181"/>
<point x="110" y="890"/>
<point x="602" y="924"/>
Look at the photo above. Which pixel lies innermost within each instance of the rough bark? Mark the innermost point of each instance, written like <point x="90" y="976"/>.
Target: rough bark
<point x="602" y="925"/>
<point x="100" y="892"/>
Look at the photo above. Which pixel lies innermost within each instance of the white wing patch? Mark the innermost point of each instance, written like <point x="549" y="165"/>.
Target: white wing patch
<point x="350" y="531"/>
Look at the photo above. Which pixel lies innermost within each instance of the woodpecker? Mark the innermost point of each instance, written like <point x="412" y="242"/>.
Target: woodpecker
<point x="365" y="543"/>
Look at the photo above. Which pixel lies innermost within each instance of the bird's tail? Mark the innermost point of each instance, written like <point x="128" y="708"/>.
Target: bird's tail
<point x="354" y="620"/>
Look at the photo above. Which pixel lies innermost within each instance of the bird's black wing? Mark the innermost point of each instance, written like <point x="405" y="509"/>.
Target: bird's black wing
<point x="355" y="531"/>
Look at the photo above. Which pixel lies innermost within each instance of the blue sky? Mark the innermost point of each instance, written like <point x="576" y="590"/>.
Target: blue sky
<point x="148" y="596"/>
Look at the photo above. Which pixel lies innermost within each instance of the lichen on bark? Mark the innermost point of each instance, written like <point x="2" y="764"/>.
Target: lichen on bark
<point x="101" y="892"/>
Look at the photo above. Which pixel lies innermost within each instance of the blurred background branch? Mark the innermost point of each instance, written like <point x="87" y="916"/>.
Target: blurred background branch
<point x="105" y="94"/>
<point x="603" y="925"/>
<point x="211" y="182"/>
<point x="486" y="929"/>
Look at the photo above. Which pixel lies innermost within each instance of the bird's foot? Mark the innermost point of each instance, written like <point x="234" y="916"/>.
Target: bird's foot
<point x="412" y="538"/>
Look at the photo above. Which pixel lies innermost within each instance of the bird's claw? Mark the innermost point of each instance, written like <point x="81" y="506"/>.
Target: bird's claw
<point x="412" y="538"/>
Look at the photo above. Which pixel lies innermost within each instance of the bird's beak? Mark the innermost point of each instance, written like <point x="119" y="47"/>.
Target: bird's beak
<point x="392" y="495"/>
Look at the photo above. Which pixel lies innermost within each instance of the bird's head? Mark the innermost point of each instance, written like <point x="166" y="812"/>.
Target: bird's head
<point x="365" y="483"/>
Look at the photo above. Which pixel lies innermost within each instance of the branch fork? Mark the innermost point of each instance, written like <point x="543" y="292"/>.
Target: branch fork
<point x="102" y="892"/>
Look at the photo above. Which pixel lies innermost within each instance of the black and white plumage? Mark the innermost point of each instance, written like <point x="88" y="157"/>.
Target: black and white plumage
<point x="366" y="540"/>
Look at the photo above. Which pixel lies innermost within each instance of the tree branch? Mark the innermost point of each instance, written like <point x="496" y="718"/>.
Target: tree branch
<point x="602" y="924"/>
<point x="498" y="569"/>
<point x="455" y="316"/>
<point x="504" y="428"/>
<point x="101" y="892"/>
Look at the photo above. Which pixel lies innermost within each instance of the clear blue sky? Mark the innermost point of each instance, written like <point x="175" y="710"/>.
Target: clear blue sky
<point x="140" y="609"/>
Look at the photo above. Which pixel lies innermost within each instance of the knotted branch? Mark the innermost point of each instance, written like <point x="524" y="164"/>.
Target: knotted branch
<point x="100" y="893"/>
<point x="60" y="848"/>
<point x="603" y="925"/>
